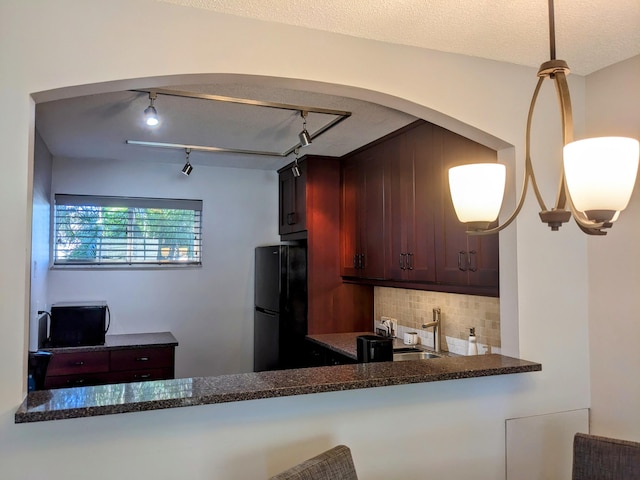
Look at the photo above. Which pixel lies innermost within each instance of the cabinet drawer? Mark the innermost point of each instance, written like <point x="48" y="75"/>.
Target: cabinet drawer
<point x="141" y="359"/>
<point x="78" y="362"/>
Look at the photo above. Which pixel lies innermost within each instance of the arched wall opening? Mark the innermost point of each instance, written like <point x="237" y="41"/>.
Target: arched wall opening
<point x="506" y="152"/>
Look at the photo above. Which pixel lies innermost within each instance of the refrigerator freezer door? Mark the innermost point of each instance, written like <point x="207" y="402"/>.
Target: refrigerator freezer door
<point x="266" y="341"/>
<point x="268" y="278"/>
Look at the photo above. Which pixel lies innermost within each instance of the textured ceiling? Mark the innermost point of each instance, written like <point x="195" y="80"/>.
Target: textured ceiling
<point x="590" y="34"/>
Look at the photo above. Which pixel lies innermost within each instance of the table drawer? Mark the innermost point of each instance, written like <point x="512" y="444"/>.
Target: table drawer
<point x="78" y="362"/>
<point x="141" y="375"/>
<point x="81" y="380"/>
<point x="142" y="358"/>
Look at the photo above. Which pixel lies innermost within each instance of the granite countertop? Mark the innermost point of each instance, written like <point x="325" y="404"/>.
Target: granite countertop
<point x="125" y="340"/>
<point x="346" y="343"/>
<point x="47" y="405"/>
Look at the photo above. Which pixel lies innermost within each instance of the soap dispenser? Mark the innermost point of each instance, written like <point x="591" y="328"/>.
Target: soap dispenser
<point x="473" y="346"/>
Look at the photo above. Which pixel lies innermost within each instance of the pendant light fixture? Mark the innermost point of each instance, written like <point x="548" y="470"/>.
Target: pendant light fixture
<point x="305" y="138"/>
<point x="150" y="113"/>
<point x="597" y="178"/>
<point x="188" y="168"/>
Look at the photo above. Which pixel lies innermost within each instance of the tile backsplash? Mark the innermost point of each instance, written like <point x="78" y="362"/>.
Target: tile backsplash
<point x="413" y="308"/>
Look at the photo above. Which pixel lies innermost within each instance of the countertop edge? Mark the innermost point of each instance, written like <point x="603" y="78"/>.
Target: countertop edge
<point x="122" y="341"/>
<point x="262" y="385"/>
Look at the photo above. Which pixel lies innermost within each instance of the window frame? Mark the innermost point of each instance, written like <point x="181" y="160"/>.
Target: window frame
<point x="129" y="203"/>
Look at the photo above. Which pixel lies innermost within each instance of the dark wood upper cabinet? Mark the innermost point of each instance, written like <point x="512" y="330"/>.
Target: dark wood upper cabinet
<point x="410" y="200"/>
<point x="398" y="224"/>
<point x="292" y="202"/>
<point x="362" y="215"/>
<point x="462" y="259"/>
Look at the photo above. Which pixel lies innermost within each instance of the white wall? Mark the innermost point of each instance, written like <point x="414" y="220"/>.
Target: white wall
<point x="40" y="230"/>
<point x="452" y="429"/>
<point x="613" y="108"/>
<point x="208" y="309"/>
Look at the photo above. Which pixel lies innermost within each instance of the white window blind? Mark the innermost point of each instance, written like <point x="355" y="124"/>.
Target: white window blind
<point x="94" y="230"/>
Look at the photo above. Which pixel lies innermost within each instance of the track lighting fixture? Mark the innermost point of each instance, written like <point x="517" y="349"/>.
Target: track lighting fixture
<point x="596" y="181"/>
<point x="295" y="169"/>
<point x="187" y="169"/>
<point x="150" y="113"/>
<point x="305" y="138"/>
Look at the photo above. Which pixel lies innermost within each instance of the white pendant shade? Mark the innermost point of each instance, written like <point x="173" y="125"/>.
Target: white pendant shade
<point x="600" y="174"/>
<point x="477" y="191"/>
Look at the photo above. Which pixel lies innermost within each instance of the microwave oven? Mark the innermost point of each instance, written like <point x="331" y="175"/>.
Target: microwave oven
<point x="76" y="325"/>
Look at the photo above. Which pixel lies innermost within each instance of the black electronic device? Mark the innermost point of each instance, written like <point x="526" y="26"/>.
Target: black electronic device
<point x="374" y="348"/>
<point x="78" y="324"/>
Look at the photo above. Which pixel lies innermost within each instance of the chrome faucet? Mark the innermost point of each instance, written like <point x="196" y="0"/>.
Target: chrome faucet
<point x="436" y="328"/>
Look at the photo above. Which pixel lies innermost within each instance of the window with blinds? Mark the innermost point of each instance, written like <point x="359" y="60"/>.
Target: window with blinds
<point x="92" y="230"/>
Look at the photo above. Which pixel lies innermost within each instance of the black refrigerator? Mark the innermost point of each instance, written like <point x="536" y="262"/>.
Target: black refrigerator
<point x="280" y="316"/>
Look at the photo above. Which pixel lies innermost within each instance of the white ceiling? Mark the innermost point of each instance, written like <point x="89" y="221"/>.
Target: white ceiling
<point x="590" y="34"/>
<point x="98" y="126"/>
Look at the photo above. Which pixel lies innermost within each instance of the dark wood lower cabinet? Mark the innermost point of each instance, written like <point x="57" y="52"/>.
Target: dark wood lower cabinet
<point x="319" y="356"/>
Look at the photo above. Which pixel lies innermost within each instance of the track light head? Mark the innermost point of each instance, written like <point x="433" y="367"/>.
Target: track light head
<point x="150" y="113"/>
<point x="295" y="168"/>
<point x="188" y="168"/>
<point x="151" y="116"/>
<point x="305" y="138"/>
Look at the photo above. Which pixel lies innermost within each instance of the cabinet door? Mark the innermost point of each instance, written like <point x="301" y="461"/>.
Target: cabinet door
<point x="362" y="216"/>
<point x="400" y="187"/>
<point x="410" y="205"/>
<point x="292" y="200"/>
<point x="455" y="262"/>
<point x="371" y="214"/>
<point x="349" y="229"/>
<point x="484" y="255"/>
<point x="423" y="200"/>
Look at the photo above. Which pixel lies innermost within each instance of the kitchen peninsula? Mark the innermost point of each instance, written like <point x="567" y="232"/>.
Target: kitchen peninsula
<point x="47" y="405"/>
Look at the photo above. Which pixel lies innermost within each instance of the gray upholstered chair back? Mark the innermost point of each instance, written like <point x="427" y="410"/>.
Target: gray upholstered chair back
<point x="334" y="464"/>
<point x="601" y="458"/>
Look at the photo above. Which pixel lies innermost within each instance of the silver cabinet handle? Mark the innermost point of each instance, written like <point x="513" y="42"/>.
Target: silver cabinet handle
<point x="410" y="261"/>
<point x="473" y="265"/>
<point x="462" y="261"/>
<point x="402" y="267"/>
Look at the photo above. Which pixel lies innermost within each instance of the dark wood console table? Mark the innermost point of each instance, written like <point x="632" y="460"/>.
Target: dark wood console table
<point x="123" y="358"/>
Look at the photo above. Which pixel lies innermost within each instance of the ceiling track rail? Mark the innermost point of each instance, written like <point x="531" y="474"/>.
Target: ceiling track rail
<point x="246" y="101"/>
<point x="205" y="148"/>
<point x="340" y="115"/>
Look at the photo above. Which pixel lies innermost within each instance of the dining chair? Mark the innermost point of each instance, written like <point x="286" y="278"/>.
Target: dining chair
<point x="334" y="464"/>
<point x="602" y="458"/>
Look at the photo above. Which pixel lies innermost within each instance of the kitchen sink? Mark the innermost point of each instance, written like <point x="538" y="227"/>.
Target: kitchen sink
<point x="412" y="353"/>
